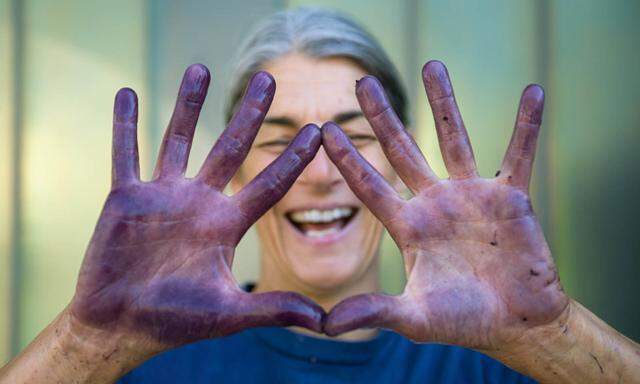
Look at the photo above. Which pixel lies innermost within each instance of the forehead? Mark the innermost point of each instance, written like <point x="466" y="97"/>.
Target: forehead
<point x="309" y="88"/>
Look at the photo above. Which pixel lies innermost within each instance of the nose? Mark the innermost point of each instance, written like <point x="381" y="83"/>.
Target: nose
<point x="320" y="175"/>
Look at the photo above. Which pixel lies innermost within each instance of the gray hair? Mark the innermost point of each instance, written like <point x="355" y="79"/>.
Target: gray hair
<point x="319" y="33"/>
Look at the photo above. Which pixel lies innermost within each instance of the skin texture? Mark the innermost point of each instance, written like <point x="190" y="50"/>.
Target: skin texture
<point x="160" y="257"/>
<point x="479" y="270"/>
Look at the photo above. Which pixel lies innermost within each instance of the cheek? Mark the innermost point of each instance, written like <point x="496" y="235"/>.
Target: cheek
<point x="375" y="156"/>
<point x="255" y="163"/>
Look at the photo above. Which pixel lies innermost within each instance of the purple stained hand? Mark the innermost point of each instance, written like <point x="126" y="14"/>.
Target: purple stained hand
<point x="479" y="271"/>
<point x="158" y="268"/>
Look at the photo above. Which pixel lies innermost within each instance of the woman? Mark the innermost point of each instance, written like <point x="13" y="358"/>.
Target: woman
<point x="156" y="275"/>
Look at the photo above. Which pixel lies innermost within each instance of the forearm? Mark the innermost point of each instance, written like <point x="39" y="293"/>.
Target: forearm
<point x="67" y="352"/>
<point x="577" y="348"/>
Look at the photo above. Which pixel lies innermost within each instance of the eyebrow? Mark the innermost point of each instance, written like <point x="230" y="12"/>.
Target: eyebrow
<point x="281" y="120"/>
<point x="344" y="117"/>
<point x="340" y="118"/>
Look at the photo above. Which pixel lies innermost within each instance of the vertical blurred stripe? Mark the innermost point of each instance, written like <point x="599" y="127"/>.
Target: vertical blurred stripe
<point x="17" y="151"/>
<point x="76" y="56"/>
<point x="545" y="173"/>
<point x="6" y="176"/>
<point x="595" y="119"/>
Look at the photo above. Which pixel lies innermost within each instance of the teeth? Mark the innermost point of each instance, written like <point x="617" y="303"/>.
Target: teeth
<point x="320" y="216"/>
<point x="324" y="232"/>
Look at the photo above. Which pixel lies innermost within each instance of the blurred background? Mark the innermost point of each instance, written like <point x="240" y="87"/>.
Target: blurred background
<point x="61" y="63"/>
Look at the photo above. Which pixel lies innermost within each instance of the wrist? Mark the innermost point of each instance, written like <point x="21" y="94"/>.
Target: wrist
<point x="103" y="354"/>
<point x="70" y="351"/>
<point x="577" y="347"/>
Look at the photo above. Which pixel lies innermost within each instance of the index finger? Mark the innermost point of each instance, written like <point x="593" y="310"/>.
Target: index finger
<point x="273" y="182"/>
<point x="365" y="181"/>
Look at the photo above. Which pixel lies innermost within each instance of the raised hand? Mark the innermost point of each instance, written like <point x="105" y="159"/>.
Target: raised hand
<point x="479" y="271"/>
<point x="158" y="266"/>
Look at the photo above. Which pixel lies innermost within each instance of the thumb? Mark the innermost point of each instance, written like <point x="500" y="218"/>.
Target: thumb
<point x="366" y="311"/>
<point x="279" y="309"/>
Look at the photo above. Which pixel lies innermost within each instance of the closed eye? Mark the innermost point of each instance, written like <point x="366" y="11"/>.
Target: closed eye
<point x="359" y="140"/>
<point x="274" y="143"/>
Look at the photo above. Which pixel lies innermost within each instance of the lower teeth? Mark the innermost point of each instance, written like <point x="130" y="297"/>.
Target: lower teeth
<point x="324" y="232"/>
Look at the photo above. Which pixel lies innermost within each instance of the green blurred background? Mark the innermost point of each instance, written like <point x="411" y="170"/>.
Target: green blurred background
<point x="61" y="63"/>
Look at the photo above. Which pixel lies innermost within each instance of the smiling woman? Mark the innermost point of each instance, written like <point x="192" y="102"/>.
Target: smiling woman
<point x="319" y="239"/>
<point x="155" y="293"/>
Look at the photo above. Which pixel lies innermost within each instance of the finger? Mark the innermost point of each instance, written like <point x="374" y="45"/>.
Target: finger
<point x="273" y="182"/>
<point x="176" y="144"/>
<point x="452" y="135"/>
<point x="365" y="311"/>
<point x="518" y="161"/>
<point x="279" y="309"/>
<point x="365" y="181"/>
<point x="398" y="145"/>
<point x="233" y="145"/>
<point x="125" y="161"/>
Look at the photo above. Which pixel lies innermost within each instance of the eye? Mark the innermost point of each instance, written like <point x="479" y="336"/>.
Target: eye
<point x="274" y="143"/>
<point x="275" y="146"/>
<point x="362" y="139"/>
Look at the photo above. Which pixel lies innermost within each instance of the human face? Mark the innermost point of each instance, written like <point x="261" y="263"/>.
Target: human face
<point x="319" y="237"/>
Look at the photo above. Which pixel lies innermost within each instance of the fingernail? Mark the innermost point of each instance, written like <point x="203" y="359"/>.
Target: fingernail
<point x="195" y="83"/>
<point x="436" y="80"/>
<point x="532" y="104"/>
<point x="261" y="87"/>
<point x="126" y="107"/>
<point x="309" y="137"/>
<point x="371" y="95"/>
<point x="328" y="126"/>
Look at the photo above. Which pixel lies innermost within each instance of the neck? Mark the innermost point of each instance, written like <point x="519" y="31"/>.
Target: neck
<point x="272" y="279"/>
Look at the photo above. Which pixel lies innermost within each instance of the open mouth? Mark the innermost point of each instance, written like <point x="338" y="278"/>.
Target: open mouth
<point x="321" y="222"/>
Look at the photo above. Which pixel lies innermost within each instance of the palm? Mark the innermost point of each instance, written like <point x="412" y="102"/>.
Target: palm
<point x="483" y="271"/>
<point x="159" y="262"/>
<point x="479" y="269"/>
<point x="177" y="232"/>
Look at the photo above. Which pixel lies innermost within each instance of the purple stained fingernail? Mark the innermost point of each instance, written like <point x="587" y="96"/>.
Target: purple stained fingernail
<point x="532" y="104"/>
<point x="261" y="88"/>
<point x="436" y="79"/>
<point x="195" y="83"/>
<point x="126" y="107"/>
<point x="371" y="95"/>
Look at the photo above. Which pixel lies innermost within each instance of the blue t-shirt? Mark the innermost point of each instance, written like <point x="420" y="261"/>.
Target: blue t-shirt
<point x="278" y="355"/>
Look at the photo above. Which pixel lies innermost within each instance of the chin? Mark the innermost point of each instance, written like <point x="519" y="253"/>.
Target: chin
<point x="328" y="273"/>
<point x="326" y="244"/>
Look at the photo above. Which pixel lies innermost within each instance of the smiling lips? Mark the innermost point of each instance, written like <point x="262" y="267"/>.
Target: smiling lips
<point x="321" y="222"/>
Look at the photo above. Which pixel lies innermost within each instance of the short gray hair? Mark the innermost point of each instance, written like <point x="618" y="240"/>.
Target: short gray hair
<point x="319" y="33"/>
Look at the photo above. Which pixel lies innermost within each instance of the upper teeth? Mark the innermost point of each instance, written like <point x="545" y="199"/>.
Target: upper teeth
<point x="320" y="216"/>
